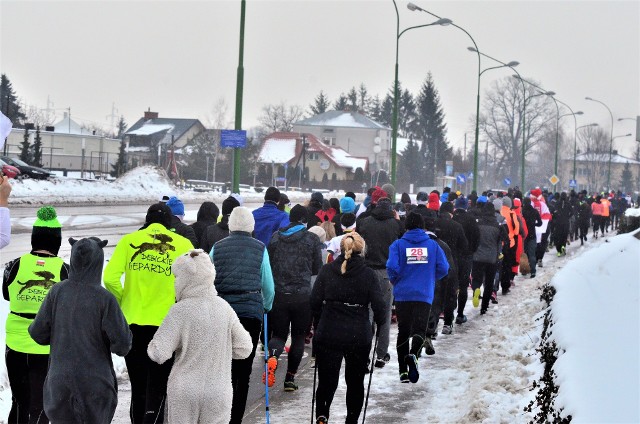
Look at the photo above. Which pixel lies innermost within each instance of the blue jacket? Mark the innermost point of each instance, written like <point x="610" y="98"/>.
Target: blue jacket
<point x="269" y="219"/>
<point x="415" y="263"/>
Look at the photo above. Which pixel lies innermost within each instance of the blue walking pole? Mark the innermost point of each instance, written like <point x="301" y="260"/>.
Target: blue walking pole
<point x="266" y="368"/>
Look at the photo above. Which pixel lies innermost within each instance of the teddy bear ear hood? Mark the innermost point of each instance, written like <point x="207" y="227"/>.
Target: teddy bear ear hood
<point x="194" y="274"/>
<point x="87" y="260"/>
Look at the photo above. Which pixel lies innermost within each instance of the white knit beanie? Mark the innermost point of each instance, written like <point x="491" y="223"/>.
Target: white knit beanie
<point x="241" y="219"/>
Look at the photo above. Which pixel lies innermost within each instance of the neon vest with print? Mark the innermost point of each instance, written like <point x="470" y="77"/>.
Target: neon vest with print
<point x="36" y="275"/>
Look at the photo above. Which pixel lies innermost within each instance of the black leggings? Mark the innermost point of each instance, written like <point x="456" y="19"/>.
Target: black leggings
<point x="26" y="372"/>
<point x="294" y="311"/>
<point x="328" y="362"/>
<point x="241" y="371"/>
<point x="483" y="274"/>
<point x="148" y="379"/>
<point x="413" y="318"/>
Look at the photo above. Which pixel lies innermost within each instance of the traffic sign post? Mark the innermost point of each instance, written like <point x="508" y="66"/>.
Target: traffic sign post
<point x="461" y="179"/>
<point x="507" y="182"/>
<point x="233" y="138"/>
<point x="554" y="179"/>
<point x="573" y="183"/>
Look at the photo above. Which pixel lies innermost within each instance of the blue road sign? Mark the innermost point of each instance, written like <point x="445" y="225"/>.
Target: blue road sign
<point x="233" y="138"/>
<point x="507" y="181"/>
<point x="470" y="175"/>
<point x="573" y="183"/>
<point x="461" y="179"/>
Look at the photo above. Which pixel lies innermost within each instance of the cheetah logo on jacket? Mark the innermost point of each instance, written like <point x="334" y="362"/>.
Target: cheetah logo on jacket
<point x="162" y="248"/>
<point x="46" y="283"/>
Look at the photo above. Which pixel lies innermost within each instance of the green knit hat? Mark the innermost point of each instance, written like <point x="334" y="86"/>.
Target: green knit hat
<point x="47" y="217"/>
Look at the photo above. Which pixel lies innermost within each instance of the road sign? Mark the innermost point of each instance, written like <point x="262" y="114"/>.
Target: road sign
<point x="507" y="182"/>
<point x="461" y="179"/>
<point x="573" y="183"/>
<point x="233" y="138"/>
<point x="470" y="175"/>
<point x="554" y="179"/>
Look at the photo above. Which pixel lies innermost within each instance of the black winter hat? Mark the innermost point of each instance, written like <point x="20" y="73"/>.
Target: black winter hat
<point x="272" y="194"/>
<point x="316" y="196"/>
<point x="298" y="213"/>
<point x="159" y="213"/>
<point x="228" y="204"/>
<point x="413" y="221"/>
<point x="47" y="231"/>
<point x="446" y="207"/>
<point x="350" y="194"/>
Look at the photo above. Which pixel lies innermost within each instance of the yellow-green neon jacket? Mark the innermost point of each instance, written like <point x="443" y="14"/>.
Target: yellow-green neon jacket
<point x="145" y="258"/>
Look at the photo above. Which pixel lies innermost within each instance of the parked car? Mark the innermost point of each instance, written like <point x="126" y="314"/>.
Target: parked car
<point x="26" y="170"/>
<point x="8" y="170"/>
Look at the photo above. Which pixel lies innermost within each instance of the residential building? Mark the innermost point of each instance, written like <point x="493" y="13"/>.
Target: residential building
<point x="592" y="170"/>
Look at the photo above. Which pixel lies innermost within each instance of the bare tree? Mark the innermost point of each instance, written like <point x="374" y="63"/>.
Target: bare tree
<point x="217" y="119"/>
<point x="40" y="117"/>
<point x="501" y="122"/>
<point x="280" y="117"/>
<point x="593" y="143"/>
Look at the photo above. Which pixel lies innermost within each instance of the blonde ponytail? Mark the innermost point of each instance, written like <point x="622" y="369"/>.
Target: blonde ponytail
<point x="350" y="244"/>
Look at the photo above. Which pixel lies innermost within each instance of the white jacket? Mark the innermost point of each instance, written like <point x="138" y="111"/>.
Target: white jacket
<point x="205" y="334"/>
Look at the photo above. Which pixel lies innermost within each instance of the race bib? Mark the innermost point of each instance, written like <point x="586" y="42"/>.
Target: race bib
<point x="417" y="255"/>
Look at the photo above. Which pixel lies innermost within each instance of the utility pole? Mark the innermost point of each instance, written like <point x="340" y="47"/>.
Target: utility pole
<point x="113" y="115"/>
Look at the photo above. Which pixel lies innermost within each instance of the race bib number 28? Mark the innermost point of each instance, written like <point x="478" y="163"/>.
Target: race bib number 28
<point x="417" y="255"/>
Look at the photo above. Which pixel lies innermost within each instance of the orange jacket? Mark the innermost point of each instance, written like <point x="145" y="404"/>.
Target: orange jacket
<point x="605" y="206"/>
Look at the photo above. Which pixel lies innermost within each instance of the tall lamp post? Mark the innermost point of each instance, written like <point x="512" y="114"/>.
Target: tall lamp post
<point x="414" y="7"/>
<point x="394" y="117"/>
<point x="610" y="144"/>
<point x="239" y="86"/>
<point x="575" y="149"/>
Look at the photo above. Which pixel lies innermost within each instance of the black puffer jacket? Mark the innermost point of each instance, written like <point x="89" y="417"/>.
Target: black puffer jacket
<point x="83" y="324"/>
<point x="340" y="303"/>
<point x="184" y="230"/>
<point x="492" y="235"/>
<point x="452" y="233"/>
<point x="532" y="220"/>
<point x="471" y="230"/>
<point x="214" y="233"/>
<point x="378" y="231"/>
<point x="295" y="255"/>
<point x="207" y="215"/>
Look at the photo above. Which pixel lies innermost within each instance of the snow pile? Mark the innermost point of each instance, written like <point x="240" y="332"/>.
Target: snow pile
<point x="633" y="212"/>
<point x="597" y="329"/>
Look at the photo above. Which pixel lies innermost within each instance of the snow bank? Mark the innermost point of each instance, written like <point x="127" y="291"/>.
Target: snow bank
<point x="633" y="212"/>
<point x="597" y="329"/>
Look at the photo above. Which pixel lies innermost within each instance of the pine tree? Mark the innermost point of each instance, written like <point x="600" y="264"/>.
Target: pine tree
<point x="342" y="103"/>
<point x="320" y="105"/>
<point x="358" y="175"/>
<point x="120" y="167"/>
<point x="352" y="99"/>
<point x="364" y="100"/>
<point x="431" y="129"/>
<point x="9" y="102"/>
<point x="122" y="127"/>
<point x="375" y="111"/>
<point x="37" y="149"/>
<point x="626" y="181"/>
<point x="410" y="164"/>
<point x="25" y="147"/>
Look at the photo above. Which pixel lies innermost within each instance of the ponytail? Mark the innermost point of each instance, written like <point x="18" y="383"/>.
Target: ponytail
<point x="350" y="244"/>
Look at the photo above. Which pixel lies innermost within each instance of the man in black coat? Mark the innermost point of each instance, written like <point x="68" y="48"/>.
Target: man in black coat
<point x="177" y="215"/>
<point x="532" y="220"/>
<point x="379" y="230"/>
<point x="472" y="233"/>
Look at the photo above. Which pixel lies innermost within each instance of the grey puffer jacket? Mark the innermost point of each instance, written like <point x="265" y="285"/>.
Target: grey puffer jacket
<point x="295" y="255"/>
<point x="83" y="324"/>
<point x="492" y="235"/>
<point x="205" y="334"/>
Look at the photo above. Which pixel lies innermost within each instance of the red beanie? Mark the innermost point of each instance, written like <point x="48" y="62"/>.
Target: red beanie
<point x="377" y="195"/>
<point x="434" y="202"/>
<point x="536" y="192"/>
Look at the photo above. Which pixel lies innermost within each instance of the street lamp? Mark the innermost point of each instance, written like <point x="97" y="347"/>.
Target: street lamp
<point x="511" y="65"/>
<point x="235" y="186"/>
<point x="394" y="118"/>
<point x="575" y="136"/>
<point x="611" y="144"/>
<point x="575" y="151"/>
<point x="414" y="7"/>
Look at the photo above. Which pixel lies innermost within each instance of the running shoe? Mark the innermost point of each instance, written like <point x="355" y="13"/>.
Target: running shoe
<point x="476" y="298"/>
<point x="272" y="365"/>
<point x="412" y="364"/>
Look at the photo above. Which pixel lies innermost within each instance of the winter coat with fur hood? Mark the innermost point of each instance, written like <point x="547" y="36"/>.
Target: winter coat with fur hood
<point x="83" y="324"/>
<point x="205" y="334"/>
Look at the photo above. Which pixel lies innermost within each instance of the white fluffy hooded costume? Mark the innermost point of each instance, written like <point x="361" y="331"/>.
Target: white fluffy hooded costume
<point x="205" y="334"/>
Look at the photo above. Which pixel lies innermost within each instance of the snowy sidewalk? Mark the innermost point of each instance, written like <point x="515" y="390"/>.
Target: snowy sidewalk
<point x="481" y="373"/>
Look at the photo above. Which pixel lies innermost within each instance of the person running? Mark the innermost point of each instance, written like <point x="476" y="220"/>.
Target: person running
<point x="26" y="282"/>
<point x="216" y="232"/>
<point x="145" y="257"/>
<point x="342" y="295"/>
<point x="415" y="264"/>
<point x="179" y="227"/>
<point x="561" y="217"/>
<point x="83" y="324"/>
<point x="606" y="212"/>
<point x="295" y="255"/>
<point x="244" y="280"/>
<point x="472" y="233"/>
<point x="597" y="213"/>
<point x="509" y="249"/>
<point x="532" y="220"/>
<point x="207" y="215"/>
<point x="485" y="259"/>
<point x="583" y="218"/>
<point x="268" y="218"/>
<point x="347" y="225"/>
<point x="205" y="333"/>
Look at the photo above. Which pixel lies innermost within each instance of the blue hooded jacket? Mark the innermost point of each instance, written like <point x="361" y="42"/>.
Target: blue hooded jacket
<point x="269" y="219"/>
<point x="415" y="264"/>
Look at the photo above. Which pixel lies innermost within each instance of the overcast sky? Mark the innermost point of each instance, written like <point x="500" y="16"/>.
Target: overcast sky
<point x="179" y="57"/>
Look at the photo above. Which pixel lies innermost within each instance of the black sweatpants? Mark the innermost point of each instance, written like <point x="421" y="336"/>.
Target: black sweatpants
<point x="483" y="274"/>
<point x="508" y="262"/>
<point x="562" y="233"/>
<point x="293" y="311"/>
<point x="27" y="372"/>
<point x="464" y="278"/>
<point x="148" y="379"/>
<point x="241" y="370"/>
<point x="328" y="363"/>
<point x="413" y="318"/>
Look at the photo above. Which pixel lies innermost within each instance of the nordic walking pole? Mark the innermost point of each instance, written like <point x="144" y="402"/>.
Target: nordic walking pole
<point x="366" y="402"/>
<point x="313" y="399"/>
<point x="266" y="369"/>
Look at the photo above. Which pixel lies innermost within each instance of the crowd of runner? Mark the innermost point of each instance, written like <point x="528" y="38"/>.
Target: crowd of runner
<point x="188" y="305"/>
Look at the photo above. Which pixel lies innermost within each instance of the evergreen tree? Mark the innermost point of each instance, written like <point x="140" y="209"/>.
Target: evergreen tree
<point x="320" y="105"/>
<point x="325" y="180"/>
<point x="431" y="129"/>
<point x="342" y="103"/>
<point x="626" y="181"/>
<point x="364" y="100"/>
<point x="37" y="149"/>
<point x="386" y="111"/>
<point x="122" y="127"/>
<point x="358" y="175"/>
<point x="410" y="164"/>
<point x="25" y="147"/>
<point x="9" y="102"/>
<point x="352" y="99"/>
<point x="375" y="111"/>
<point x="120" y="167"/>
